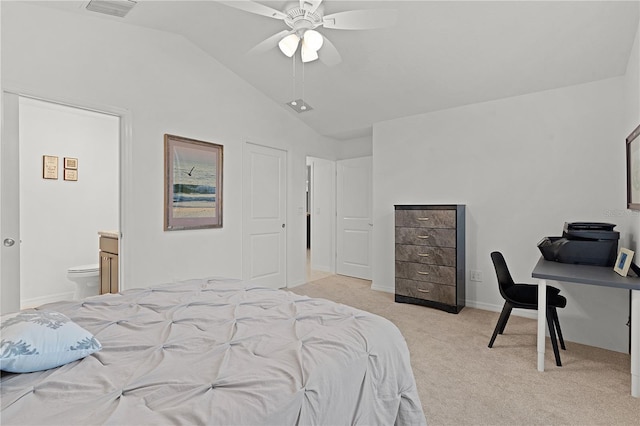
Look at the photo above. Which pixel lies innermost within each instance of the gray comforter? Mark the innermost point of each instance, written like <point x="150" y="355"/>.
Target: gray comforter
<point x="221" y="352"/>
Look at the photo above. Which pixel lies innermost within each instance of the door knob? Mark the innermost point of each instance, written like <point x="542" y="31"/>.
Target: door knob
<point x="8" y="242"/>
<point x="283" y="225"/>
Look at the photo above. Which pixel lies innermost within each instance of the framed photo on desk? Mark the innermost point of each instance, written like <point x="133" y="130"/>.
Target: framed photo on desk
<point x="623" y="261"/>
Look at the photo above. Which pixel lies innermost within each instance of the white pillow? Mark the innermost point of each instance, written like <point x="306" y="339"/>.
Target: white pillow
<point x="39" y="340"/>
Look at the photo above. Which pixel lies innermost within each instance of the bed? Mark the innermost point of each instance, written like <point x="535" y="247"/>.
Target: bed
<point x="224" y="352"/>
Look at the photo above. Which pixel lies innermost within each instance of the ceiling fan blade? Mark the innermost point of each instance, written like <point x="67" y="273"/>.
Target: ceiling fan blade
<point x="310" y="5"/>
<point x="257" y="8"/>
<point x="270" y="42"/>
<point x="361" y="19"/>
<point x="329" y="54"/>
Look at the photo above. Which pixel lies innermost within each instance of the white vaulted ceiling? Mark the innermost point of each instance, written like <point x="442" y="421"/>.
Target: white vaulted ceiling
<point x="438" y="55"/>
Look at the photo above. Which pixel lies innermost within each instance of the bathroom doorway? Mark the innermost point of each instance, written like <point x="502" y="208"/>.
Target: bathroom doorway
<point x="10" y="209"/>
<point x="68" y="192"/>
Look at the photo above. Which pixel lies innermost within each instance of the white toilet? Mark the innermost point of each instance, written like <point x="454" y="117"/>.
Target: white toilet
<point x="86" y="278"/>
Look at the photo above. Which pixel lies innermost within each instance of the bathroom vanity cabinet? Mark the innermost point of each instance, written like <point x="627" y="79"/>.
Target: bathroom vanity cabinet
<point x="108" y="262"/>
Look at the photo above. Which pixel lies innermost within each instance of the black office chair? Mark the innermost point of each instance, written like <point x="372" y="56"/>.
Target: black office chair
<point x="525" y="296"/>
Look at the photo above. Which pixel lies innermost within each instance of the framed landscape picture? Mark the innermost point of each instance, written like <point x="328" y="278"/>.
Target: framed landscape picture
<point x="193" y="184"/>
<point x="633" y="170"/>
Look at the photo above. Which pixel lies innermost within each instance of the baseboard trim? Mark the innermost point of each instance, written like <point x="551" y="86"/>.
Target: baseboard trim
<point x="383" y="288"/>
<point x="526" y="313"/>
<point x="473" y="304"/>
<point x="296" y="284"/>
<point x="322" y="268"/>
<point x="49" y="298"/>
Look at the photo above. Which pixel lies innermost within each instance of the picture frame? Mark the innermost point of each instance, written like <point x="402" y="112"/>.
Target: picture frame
<point x="49" y="167"/>
<point x="70" y="174"/>
<point x="192" y="184"/>
<point x="623" y="261"/>
<point x="633" y="169"/>
<point x="71" y="163"/>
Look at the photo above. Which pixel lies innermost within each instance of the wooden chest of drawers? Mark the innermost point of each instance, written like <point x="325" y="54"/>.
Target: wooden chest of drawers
<point x="429" y="255"/>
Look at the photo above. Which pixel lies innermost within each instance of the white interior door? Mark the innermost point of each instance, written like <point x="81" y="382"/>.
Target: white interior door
<point x="264" y="207"/>
<point x="9" y="207"/>
<point x="323" y="196"/>
<point x="355" y="225"/>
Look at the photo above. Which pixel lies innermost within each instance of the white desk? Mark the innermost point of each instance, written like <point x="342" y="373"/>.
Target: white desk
<point x="591" y="275"/>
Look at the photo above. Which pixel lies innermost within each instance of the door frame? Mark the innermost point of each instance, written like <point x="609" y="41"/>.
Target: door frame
<point x="334" y="210"/>
<point x="330" y="212"/>
<point x="11" y="293"/>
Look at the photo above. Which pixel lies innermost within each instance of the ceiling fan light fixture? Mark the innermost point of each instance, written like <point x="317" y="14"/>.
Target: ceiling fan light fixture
<point x="118" y="8"/>
<point x="299" y="106"/>
<point x="307" y="54"/>
<point x="313" y="40"/>
<point x="289" y="44"/>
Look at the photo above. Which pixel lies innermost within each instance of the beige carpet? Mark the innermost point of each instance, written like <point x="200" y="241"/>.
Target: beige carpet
<point x="463" y="382"/>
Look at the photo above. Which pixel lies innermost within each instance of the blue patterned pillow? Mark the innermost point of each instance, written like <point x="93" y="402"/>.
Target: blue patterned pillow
<point x="38" y="340"/>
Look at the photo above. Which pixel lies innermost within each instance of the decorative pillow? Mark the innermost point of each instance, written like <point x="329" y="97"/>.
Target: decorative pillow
<point x="39" y="340"/>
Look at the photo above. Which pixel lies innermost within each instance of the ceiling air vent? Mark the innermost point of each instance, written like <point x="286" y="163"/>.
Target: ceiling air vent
<point x="111" y="7"/>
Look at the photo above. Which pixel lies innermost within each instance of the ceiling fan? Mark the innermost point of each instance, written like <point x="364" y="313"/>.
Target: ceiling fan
<point x="303" y="18"/>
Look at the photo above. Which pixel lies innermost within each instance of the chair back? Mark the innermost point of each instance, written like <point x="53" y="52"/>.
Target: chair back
<point x="502" y="272"/>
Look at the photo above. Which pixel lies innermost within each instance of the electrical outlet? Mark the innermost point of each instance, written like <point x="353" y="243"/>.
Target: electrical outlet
<point x="475" y="275"/>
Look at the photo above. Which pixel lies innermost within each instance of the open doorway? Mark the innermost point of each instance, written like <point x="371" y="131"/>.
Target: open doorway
<point x="63" y="209"/>
<point x="61" y="158"/>
<point x="320" y="185"/>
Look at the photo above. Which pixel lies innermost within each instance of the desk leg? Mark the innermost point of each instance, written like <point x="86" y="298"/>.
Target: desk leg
<point x="635" y="343"/>
<point x="542" y="321"/>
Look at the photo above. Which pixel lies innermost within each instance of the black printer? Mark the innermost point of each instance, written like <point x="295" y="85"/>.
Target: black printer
<point x="583" y="243"/>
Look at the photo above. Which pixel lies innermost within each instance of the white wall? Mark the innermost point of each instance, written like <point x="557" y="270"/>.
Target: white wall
<point x="60" y="219"/>
<point x="355" y="148"/>
<point x="523" y="166"/>
<point x="631" y="89"/>
<point x="169" y="86"/>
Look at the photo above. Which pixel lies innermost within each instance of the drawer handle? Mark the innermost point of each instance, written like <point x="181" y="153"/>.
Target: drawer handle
<point x="423" y="254"/>
<point x="423" y="237"/>
<point x="423" y="291"/>
<point x="423" y="273"/>
<point x="423" y="218"/>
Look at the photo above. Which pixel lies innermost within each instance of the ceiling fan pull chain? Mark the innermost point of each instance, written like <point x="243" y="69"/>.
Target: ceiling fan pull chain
<point x="293" y="58"/>
<point x="303" y="107"/>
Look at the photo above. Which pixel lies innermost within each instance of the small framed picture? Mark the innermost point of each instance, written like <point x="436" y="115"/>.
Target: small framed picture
<point x="49" y="167"/>
<point x="623" y="261"/>
<point x="70" y="174"/>
<point x="70" y="163"/>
